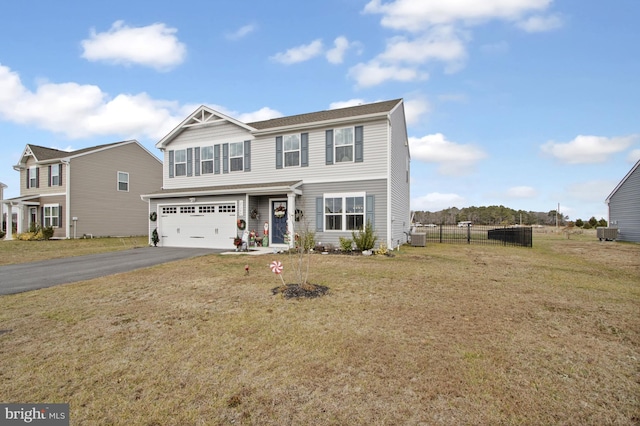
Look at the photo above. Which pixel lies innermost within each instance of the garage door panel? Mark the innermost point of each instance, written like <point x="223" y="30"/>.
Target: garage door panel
<point x="209" y="226"/>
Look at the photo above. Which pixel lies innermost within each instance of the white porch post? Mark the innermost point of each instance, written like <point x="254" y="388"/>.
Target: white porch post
<point x="291" y="209"/>
<point x="9" y="235"/>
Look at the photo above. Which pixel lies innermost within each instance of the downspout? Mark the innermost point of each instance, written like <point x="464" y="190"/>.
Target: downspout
<point x="67" y="163"/>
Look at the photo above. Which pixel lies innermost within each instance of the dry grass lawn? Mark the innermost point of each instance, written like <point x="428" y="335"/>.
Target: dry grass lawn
<point x="445" y="334"/>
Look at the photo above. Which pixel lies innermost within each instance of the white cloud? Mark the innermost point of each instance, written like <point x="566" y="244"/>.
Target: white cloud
<point x="588" y="149"/>
<point x="82" y="111"/>
<point x="415" y="109"/>
<point x="336" y="55"/>
<point x="345" y="104"/>
<point x="634" y="156"/>
<point x="300" y="53"/>
<point x="373" y="73"/>
<point x="593" y="191"/>
<point x="155" y="46"/>
<point x="264" y="113"/>
<point x="241" y="32"/>
<point x="436" y="201"/>
<point x="540" y="23"/>
<point x="521" y="192"/>
<point x="452" y="158"/>
<point x="415" y="16"/>
<point x="442" y="43"/>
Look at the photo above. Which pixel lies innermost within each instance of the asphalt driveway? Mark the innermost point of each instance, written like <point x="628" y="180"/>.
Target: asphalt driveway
<point x="47" y="273"/>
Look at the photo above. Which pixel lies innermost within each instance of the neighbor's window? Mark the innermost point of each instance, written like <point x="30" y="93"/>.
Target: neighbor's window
<point x="291" y="148"/>
<point x="343" y="143"/>
<point x="123" y="181"/>
<point x="33" y="177"/>
<point x="180" y="162"/>
<point x="344" y="212"/>
<point x="55" y="175"/>
<point x="236" y="156"/>
<point x="206" y="159"/>
<point x="51" y="215"/>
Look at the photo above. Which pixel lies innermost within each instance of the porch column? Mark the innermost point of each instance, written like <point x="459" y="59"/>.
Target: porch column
<point x="9" y="235"/>
<point x="291" y="210"/>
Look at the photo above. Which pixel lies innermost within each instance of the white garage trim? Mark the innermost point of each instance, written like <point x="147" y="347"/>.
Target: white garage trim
<point x="206" y="225"/>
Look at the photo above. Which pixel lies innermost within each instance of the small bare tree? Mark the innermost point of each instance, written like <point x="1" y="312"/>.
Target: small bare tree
<point x="300" y="255"/>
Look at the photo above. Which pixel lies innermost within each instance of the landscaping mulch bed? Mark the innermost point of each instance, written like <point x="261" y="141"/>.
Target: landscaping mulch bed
<point x="290" y="291"/>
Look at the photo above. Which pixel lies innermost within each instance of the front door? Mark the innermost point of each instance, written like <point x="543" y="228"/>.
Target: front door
<point x="33" y="217"/>
<point x="278" y="222"/>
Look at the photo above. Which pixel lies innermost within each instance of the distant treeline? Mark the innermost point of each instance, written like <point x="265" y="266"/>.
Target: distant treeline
<point x="496" y="215"/>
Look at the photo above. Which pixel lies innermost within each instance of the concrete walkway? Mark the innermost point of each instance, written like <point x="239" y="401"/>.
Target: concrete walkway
<point x="35" y="275"/>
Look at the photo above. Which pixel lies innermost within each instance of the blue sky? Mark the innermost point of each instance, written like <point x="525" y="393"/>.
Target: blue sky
<point x="523" y="103"/>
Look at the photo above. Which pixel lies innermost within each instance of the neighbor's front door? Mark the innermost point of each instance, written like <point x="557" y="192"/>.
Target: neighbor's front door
<point x="33" y="217"/>
<point x="278" y="222"/>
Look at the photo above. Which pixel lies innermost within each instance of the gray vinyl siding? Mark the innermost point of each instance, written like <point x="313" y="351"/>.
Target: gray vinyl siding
<point x="624" y="208"/>
<point x="307" y="203"/>
<point x="101" y="209"/>
<point x="400" y="210"/>
<point x="263" y="154"/>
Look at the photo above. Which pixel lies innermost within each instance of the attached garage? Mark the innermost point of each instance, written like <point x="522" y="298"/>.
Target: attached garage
<point x="211" y="225"/>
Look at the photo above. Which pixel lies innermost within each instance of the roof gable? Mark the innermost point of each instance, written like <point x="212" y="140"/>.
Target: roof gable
<point x="201" y="117"/>
<point x="624" y="179"/>
<point x="44" y="154"/>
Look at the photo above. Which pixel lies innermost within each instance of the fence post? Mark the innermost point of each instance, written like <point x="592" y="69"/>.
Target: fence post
<point x="468" y="233"/>
<point x="441" y="233"/>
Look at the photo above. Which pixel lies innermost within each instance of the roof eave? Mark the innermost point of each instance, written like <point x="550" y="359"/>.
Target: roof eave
<point x="323" y="123"/>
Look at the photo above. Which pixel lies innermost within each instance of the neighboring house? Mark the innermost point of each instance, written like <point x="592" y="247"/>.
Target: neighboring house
<point x="89" y="192"/>
<point x="3" y="216"/>
<point x="624" y="206"/>
<point x="330" y="172"/>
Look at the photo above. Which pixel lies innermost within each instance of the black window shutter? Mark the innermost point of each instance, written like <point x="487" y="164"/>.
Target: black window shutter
<point x="37" y="177"/>
<point x="189" y="161"/>
<point x="28" y="178"/>
<point x="329" y="143"/>
<point x="196" y="153"/>
<point x="170" y="164"/>
<point x="278" y="152"/>
<point x="371" y="218"/>
<point x="359" y="145"/>
<point x="247" y="156"/>
<point x="59" y="174"/>
<point x="304" y="150"/>
<point x="225" y="158"/>
<point x="216" y="159"/>
<point x="59" y="216"/>
<point x="50" y="177"/>
<point x="319" y="214"/>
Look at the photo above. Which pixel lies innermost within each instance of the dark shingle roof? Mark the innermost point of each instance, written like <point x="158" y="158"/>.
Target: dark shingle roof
<point x="332" y="114"/>
<point x="43" y="154"/>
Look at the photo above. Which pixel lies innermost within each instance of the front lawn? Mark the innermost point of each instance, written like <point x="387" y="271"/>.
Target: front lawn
<point x="443" y="334"/>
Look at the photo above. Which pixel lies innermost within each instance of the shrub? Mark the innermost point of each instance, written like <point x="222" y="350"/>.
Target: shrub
<point x="365" y="239"/>
<point x="2" y="234"/>
<point x="346" y="244"/>
<point x="47" y="232"/>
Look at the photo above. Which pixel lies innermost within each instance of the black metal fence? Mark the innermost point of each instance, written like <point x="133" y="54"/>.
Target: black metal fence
<point x="521" y="236"/>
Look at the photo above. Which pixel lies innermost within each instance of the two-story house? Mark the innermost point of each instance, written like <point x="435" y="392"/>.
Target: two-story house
<point x="331" y="172"/>
<point x="88" y="192"/>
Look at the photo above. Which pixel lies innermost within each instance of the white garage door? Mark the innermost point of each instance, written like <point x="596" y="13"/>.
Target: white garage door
<point x="197" y="225"/>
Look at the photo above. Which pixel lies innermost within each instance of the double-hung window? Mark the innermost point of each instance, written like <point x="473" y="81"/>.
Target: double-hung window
<point x="206" y="159"/>
<point x="236" y="156"/>
<point x="54" y="175"/>
<point x="123" y="181"/>
<point x="180" y="162"/>
<point x="52" y="215"/>
<point x="32" y="181"/>
<point x="344" y="212"/>
<point x="343" y="144"/>
<point x="291" y="145"/>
